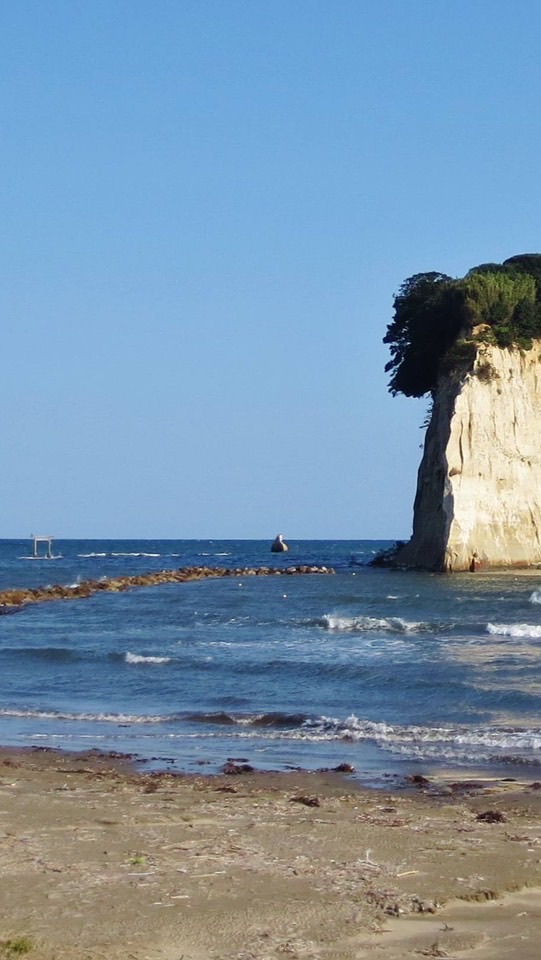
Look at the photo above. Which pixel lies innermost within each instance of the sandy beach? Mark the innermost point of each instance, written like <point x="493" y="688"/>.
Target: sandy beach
<point x="99" y="860"/>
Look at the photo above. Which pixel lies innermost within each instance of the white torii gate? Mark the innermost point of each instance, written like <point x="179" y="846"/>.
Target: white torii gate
<point x="38" y="540"/>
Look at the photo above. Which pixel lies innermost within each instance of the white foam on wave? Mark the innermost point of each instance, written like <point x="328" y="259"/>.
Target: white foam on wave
<point x="139" y="658"/>
<point x="76" y="583"/>
<point x="87" y="556"/>
<point x="119" y="718"/>
<point x="141" y="554"/>
<point x="354" y="728"/>
<point x="451" y="742"/>
<point x="516" y="630"/>
<point x="503" y="739"/>
<point x="363" y="624"/>
<point x="536" y="597"/>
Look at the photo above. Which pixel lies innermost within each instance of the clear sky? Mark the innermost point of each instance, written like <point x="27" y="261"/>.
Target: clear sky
<point x="207" y="208"/>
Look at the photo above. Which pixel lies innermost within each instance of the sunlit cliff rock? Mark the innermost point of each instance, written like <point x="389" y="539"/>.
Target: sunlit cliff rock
<point x="478" y="500"/>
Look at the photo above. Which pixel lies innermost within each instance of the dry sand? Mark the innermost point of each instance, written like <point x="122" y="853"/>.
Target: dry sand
<point x="101" y="862"/>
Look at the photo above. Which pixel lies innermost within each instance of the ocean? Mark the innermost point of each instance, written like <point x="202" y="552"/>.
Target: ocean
<point x="392" y="672"/>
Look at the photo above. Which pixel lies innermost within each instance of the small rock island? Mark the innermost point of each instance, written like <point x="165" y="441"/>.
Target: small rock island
<point x="473" y="346"/>
<point x="279" y="545"/>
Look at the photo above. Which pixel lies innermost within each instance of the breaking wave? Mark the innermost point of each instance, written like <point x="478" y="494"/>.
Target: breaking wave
<point x="354" y="728"/>
<point x="263" y="720"/>
<point x="118" y="718"/>
<point x="516" y="630"/>
<point x="274" y="719"/>
<point x="454" y="744"/>
<point x="363" y="624"/>
<point x="139" y="658"/>
<point x="127" y="553"/>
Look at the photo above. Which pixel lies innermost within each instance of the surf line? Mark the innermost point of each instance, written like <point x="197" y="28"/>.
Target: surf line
<point x="15" y="599"/>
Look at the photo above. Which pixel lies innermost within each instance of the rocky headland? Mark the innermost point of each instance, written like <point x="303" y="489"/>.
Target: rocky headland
<point x="473" y="346"/>
<point x="478" y="500"/>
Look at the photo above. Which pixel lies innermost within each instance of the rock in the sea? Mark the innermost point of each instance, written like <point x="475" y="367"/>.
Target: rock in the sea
<point x="278" y="545"/>
<point x="478" y="500"/>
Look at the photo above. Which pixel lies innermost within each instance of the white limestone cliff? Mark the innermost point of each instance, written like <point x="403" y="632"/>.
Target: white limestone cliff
<point x="478" y="500"/>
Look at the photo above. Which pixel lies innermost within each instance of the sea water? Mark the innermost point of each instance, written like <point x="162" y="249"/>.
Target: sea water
<point x="392" y="672"/>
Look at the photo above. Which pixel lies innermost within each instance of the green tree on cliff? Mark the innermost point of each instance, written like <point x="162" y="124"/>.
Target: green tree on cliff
<point x="415" y="335"/>
<point x="439" y="321"/>
<point x="526" y="263"/>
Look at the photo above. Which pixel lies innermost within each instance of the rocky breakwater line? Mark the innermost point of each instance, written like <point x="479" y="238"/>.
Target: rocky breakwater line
<point x="15" y="599"/>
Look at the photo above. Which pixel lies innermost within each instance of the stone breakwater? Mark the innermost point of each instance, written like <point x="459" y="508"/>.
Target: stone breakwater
<point x="15" y="599"/>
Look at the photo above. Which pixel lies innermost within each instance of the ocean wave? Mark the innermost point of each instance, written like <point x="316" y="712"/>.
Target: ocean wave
<point x="101" y="555"/>
<point x="457" y="742"/>
<point x="139" y="658"/>
<point x="452" y="744"/>
<point x="208" y="554"/>
<point x="516" y="630"/>
<point x="113" y="718"/>
<point x="136" y="554"/>
<point x="262" y="720"/>
<point x="355" y="728"/>
<point x="502" y="739"/>
<point x="274" y="719"/>
<point x="460" y="744"/>
<point x="337" y="623"/>
<point x="536" y="597"/>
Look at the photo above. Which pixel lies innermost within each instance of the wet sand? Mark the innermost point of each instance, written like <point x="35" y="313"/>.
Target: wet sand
<point x="101" y="861"/>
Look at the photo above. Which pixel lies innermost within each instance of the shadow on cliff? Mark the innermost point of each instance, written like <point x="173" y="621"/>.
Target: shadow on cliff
<point x="433" y="505"/>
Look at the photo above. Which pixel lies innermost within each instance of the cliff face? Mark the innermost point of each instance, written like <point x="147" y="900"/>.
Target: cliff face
<point x="479" y="484"/>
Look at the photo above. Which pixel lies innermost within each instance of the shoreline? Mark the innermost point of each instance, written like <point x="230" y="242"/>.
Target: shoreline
<point x="371" y="766"/>
<point x="364" y="771"/>
<point x="102" y="859"/>
<point x="437" y="782"/>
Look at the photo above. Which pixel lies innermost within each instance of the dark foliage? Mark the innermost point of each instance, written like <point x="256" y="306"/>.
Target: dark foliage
<point x="415" y="336"/>
<point x="488" y="268"/>
<point x="438" y="321"/>
<point x="527" y="263"/>
<point x="459" y="358"/>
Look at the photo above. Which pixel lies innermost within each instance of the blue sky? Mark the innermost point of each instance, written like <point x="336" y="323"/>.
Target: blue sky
<point x="208" y="207"/>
